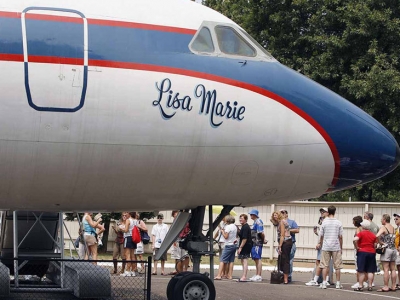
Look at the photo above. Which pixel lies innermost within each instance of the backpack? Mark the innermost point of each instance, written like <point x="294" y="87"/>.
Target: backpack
<point x="136" y="238"/>
<point x="145" y="237"/>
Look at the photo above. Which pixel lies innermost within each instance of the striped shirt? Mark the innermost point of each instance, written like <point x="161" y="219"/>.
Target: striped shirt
<point x="331" y="229"/>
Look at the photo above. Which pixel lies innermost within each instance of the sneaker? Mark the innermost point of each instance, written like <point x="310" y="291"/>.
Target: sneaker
<point x="328" y="283"/>
<point x="126" y="274"/>
<point x="365" y="285"/>
<point x="355" y="286"/>
<point x="373" y="284"/>
<point x="252" y="277"/>
<point x="258" y="278"/>
<point x="312" y="283"/>
<point x="322" y="286"/>
<point x="133" y="274"/>
<point x="338" y="285"/>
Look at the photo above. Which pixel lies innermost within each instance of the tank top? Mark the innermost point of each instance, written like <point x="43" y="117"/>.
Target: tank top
<point x="388" y="239"/>
<point x="132" y="223"/>
<point x="86" y="226"/>
<point x="286" y="230"/>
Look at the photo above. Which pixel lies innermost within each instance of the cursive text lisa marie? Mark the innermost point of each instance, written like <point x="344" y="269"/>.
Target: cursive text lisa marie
<point x="169" y="100"/>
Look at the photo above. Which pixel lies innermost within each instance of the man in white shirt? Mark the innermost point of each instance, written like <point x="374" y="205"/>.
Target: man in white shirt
<point x="158" y="233"/>
<point x="331" y="239"/>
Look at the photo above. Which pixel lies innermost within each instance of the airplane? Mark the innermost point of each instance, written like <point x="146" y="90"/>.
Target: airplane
<point x="155" y="105"/>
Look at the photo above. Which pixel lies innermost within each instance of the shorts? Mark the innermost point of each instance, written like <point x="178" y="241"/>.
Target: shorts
<point x="178" y="253"/>
<point x="256" y="252"/>
<point x="319" y="255"/>
<point x="245" y="251"/>
<point x="118" y="250"/>
<point x="336" y="257"/>
<point x="366" y="262"/>
<point x="355" y="259"/>
<point x="163" y="257"/>
<point x="128" y="243"/>
<point x="389" y="255"/>
<point x="90" y="240"/>
<point x="228" y="254"/>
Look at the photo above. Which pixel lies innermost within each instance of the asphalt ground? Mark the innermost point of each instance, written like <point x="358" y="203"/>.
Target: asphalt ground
<point x="233" y="290"/>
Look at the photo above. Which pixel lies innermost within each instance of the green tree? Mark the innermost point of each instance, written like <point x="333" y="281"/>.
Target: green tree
<point x="350" y="46"/>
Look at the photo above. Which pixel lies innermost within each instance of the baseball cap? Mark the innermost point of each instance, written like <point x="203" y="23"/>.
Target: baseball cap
<point x="284" y="211"/>
<point x="254" y="212"/>
<point x="396" y="215"/>
<point x="160" y="216"/>
<point x="323" y="209"/>
<point x="365" y="224"/>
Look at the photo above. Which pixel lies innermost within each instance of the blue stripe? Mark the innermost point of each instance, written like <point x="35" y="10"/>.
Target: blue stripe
<point x="10" y="36"/>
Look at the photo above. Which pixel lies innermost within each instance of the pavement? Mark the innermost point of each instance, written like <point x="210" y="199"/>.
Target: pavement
<point x="233" y="290"/>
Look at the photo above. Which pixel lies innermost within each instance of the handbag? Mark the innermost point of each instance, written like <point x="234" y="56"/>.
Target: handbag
<point x="276" y="274"/>
<point x="76" y="243"/>
<point x="380" y="249"/>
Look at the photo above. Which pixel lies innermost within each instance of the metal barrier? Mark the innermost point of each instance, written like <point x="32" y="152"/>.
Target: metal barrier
<point x="42" y="278"/>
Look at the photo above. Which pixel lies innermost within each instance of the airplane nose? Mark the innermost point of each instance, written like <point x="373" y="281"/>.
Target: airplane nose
<point x="366" y="149"/>
<point x="363" y="149"/>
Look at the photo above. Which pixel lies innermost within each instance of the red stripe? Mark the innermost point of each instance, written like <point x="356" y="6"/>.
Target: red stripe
<point x="12" y="57"/>
<point x="6" y="14"/>
<point x="33" y="16"/>
<point x="171" y="70"/>
<point x="78" y="19"/>
<point x="141" y="26"/>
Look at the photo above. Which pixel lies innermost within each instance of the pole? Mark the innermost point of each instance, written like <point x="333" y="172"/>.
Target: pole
<point x="148" y="291"/>
<point x="15" y="233"/>
<point x="211" y="233"/>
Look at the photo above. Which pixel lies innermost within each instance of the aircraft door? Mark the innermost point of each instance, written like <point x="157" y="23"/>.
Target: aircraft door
<point x="55" y="44"/>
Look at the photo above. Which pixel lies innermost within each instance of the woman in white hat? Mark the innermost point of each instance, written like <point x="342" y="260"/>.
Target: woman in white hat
<point x="366" y="256"/>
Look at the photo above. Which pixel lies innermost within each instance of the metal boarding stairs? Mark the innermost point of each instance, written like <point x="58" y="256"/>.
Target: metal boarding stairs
<point x="34" y="235"/>
<point x="32" y="244"/>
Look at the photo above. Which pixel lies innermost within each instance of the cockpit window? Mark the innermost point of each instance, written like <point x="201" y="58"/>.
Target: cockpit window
<point x="230" y="42"/>
<point x="203" y="41"/>
<point x="257" y="44"/>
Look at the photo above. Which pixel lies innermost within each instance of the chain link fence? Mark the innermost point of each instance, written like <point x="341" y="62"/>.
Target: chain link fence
<point x="38" y="278"/>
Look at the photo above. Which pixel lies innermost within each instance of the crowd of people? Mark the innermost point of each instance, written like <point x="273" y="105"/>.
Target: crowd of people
<point x="246" y="242"/>
<point x="368" y="237"/>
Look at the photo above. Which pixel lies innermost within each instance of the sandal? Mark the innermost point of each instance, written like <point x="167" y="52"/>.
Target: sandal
<point x="370" y="288"/>
<point x="382" y="290"/>
<point x="173" y="273"/>
<point x="154" y="273"/>
<point x="397" y="287"/>
<point x="359" y="289"/>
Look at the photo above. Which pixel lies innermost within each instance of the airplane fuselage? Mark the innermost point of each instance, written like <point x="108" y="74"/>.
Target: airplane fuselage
<point x="111" y="107"/>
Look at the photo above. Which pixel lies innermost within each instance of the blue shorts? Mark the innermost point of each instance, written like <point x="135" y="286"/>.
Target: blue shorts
<point x="228" y="254"/>
<point x="128" y="243"/>
<point x="366" y="262"/>
<point x="256" y="252"/>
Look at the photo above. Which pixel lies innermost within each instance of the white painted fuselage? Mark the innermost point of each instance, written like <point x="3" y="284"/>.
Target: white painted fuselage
<point x="148" y="137"/>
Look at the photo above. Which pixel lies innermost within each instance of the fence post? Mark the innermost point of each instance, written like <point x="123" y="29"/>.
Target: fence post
<point x="149" y="263"/>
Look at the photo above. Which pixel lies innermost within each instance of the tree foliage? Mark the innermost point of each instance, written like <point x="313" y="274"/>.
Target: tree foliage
<point x="350" y="46"/>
